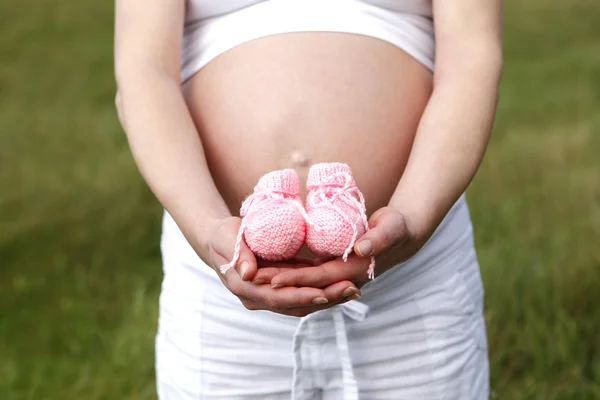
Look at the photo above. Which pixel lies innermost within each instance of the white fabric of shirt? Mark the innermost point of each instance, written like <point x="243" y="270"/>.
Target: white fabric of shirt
<point x="213" y="27"/>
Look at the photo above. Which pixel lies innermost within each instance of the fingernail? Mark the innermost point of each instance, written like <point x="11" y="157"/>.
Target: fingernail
<point x="276" y="285"/>
<point x="355" y="296"/>
<point x="349" y="291"/>
<point x="244" y="269"/>
<point x="258" y="281"/>
<point x="320" y="300"/>
<point x="365" y="248"/>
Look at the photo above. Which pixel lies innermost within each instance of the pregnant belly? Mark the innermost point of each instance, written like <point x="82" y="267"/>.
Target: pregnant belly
<point x="292" y="100"/>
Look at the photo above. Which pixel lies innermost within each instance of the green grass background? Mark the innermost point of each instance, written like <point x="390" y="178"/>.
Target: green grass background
<point x="79" y="261"/>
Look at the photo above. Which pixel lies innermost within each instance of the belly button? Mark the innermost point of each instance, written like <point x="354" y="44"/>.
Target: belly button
<point x="299" y="159"/>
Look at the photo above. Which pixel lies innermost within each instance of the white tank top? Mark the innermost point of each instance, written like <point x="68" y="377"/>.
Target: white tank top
<point x="214" y="26"/>
<point x="202" y="9"/>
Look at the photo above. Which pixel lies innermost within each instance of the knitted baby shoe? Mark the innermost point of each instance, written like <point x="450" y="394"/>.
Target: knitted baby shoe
<point x="336" y="210"/>
<point x="273" y="223"/>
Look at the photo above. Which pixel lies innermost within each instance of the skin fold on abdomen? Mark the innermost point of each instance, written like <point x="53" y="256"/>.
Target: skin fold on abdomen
<point x="292" y="100"/>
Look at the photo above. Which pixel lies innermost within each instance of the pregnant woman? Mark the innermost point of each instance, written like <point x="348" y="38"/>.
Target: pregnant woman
<point x="213" y="94"/>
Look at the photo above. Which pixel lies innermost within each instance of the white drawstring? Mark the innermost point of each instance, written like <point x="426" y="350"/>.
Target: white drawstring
<point x="297" y="341"/>
<point x="355" y="310"/>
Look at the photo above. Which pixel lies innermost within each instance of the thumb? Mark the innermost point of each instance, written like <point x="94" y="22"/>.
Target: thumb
<point x="246" y="265"/>
<point x="387" y="229"/>
<point x="225" y="242"/>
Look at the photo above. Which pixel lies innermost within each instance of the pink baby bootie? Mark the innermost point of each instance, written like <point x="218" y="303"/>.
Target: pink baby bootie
<point x="336" y="210"/>
<point x="273" y="223"/>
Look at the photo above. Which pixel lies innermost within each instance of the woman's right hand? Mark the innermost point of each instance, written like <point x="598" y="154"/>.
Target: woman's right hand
<point x="294" y="301"/>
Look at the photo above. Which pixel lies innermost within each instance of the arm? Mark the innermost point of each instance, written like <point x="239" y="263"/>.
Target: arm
<point x="169" y="153"/>
<point x="453" y="132"/>
<point x="457" y="123"/>
<point x="449" y="145"/>
<point x="161" y="134"/>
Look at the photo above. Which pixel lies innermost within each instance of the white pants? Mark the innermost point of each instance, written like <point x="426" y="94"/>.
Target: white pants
<point x="416" y="333"/>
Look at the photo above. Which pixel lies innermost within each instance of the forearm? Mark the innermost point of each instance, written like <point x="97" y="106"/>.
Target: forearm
<point x="168" y="150"/>
<point x="450" y="143"/>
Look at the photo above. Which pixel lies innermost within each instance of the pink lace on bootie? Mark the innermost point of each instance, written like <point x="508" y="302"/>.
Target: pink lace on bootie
<point x="273" y="219"/>
<point x="336" y="209"/>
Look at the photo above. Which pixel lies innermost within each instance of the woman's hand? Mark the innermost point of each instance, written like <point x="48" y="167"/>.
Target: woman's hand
<point x="393" y="237"/>
<point x="390" y="239"/>
<point x="294" y="301"/>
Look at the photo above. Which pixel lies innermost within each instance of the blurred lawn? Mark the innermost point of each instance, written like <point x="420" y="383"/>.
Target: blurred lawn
<point x="79" y="231"/>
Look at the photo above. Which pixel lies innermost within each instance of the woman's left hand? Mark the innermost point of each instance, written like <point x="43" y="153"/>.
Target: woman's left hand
<point x="391" y="239"/>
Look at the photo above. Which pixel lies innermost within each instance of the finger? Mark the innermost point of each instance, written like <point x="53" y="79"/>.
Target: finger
<point x="239" y="288"/>
<point x="281" y="298"/>
<point x="387" y="229"/>
<point x="227" y="233"/>
<point x="293" y="262"/>
<point x="355" y="270"/>
<point x="293" y="312"/>
<point x="309" y="276"/>
<point x="300" y="261"/>
<point x="303" y="311"/>
<point x="300" y="311"/>
<point x="265" y="274"/>
<point x="268" y="269"/>
<point x="342" y="291"/>
<point x="323" y="260"/>
<point x="246" y="265"/>
<point x="336" y="295"/>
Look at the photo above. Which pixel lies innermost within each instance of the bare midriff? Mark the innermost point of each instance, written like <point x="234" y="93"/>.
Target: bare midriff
<point x="293" y="100"/>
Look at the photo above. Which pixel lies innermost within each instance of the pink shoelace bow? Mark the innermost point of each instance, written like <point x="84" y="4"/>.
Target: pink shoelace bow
<point x="256" y="202"/>
<point x="351" y="196"/>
